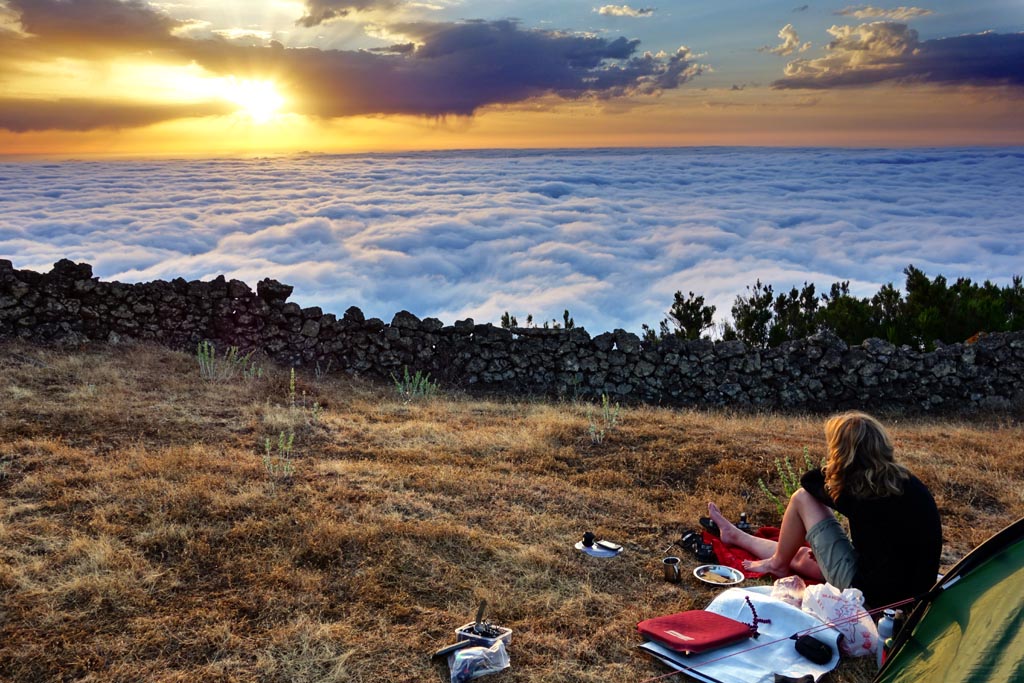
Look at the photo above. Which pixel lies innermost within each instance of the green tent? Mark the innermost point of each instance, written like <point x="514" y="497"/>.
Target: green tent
<point x="970" y="626"/>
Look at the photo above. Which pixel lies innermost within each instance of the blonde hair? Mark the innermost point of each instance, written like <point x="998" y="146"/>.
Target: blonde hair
<point x="860" y="458"/>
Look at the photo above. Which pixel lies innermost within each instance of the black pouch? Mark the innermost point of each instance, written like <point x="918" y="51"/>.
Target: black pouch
<point x="812" y="648"/>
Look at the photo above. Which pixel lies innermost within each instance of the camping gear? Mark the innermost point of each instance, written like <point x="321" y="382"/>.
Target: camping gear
<point x="753" y="661"/>
<point x="969" y="627"/>
<point x="475" y="633"/>
<point x="711" y="526"/>
<point x="718" y="574"/>
<point x="743" y="524"/>
<point x="845" y="610"/>
<point x="672" y="569"/>
<point x="481" y="632"/>
<point x="808" y="678"/>
<point x="448" y="649"/>
<point x="474" y="662"/>
<point x="694" y="631"/>
<point x="812" y="648"/>
<point x="693" y="541"/>
<point x="790" y="589"/>
<point x="699" y="630"/>
<point x="599" y="548"/>
<point x="886" y="627"/>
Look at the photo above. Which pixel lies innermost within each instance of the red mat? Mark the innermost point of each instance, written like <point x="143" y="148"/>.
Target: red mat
<point x="731" y="556"/>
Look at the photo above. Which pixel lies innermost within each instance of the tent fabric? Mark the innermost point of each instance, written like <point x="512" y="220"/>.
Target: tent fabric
<point x="970" y="626"/>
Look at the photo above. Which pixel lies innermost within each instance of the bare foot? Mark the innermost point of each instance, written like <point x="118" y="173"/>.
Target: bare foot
<point x="729" y="532"/>
<point x="769" y="566"/>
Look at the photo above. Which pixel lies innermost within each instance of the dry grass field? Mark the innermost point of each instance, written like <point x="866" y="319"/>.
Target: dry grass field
<point x="148" y="533"/>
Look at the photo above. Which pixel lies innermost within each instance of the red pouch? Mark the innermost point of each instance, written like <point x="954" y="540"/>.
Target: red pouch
<point x="695" y="631"/>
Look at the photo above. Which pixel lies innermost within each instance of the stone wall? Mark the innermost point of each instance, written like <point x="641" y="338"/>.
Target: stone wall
<point x="68" y="305"/>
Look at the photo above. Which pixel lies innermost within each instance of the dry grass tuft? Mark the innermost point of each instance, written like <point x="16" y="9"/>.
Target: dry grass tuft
<point x="143" y="537"/>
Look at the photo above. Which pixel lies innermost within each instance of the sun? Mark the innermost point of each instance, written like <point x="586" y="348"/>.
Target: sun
<point x="259" y="100"/>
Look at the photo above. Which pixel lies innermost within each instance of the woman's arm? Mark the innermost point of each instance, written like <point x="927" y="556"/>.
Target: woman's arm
<point x="813" y="482"/>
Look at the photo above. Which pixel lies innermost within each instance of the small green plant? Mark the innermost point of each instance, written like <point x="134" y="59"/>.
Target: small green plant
<point x="316" y="412"/>
<point x="291" y="389"/>
<point x="789" y="478"/>
<point x="279" y="464"/>
<point x="599" y="427"/>
<point x="411" y="387"/>
<point x="225" y="367"/>
<point x="252" y="371"/>
<point x="320" y="372"/>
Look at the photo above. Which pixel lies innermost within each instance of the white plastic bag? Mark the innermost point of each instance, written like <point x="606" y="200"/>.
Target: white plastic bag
<point x="844" y="610"/>
<point x="790" y="590"/>
<point x="473" y="662"/>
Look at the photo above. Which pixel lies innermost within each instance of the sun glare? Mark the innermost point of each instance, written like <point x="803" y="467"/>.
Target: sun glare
<point x="259" y="100"/>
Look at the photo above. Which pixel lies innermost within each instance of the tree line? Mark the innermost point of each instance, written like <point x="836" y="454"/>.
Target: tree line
<point x="926" y="311"/>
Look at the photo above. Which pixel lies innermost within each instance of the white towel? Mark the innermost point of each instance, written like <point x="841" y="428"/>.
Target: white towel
<point x="756" y="660"/>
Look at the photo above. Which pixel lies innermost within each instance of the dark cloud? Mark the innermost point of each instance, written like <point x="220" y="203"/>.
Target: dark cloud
<point x="319" y="11"/>
<point x="454" y="69"/>
<point x="474" y="234"/>
<point x="886" y="51"/>
<point x="98" y="23"/>
<point x="442" y="69"/>
<point x="801" y="8"/>
<point x="22" y="115"/>
<point x="398" y="48"/>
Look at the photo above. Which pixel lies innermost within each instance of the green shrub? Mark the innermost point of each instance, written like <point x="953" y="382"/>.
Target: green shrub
<point x="417" y="386"/>
<point x="606" y="422"/>
<point x="279" y="464"/>
<point x="789" y="478"/>
<point x="226" y="367"/>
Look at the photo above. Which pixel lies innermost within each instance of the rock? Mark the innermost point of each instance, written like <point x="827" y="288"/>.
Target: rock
<point x="272" y="291"/>
<point x="404" y="320"/>
<point x="627" y="342"/>
<point x="238" y="289"/>
<point x="730" y="349"/>
<point x="69" y="271"/>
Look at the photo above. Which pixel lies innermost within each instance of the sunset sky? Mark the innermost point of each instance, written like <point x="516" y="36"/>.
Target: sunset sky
<point x="112" y="77"/>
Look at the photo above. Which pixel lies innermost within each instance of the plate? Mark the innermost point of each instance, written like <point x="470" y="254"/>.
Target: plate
<point x="718" y="574"/>
<point x="594" y="551"/>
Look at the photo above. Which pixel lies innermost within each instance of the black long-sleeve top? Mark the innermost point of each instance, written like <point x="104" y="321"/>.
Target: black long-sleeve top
<point x="898" y="538"/>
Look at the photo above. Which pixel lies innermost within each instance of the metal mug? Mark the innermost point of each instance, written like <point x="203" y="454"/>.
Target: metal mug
<point x="673" y="572"/>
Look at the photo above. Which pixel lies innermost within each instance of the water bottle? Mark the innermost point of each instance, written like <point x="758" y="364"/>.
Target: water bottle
<point x="743" y="524"/>
<point x="886" y="627"/>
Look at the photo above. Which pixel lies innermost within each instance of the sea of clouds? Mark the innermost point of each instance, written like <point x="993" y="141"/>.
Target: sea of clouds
<point x="608" y="234"/>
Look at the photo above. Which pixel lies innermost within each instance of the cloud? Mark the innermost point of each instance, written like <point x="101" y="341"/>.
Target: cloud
<point x="790" y="42"/>
<point x="886" y="51"/>
<point x="801" y="8"/>
<point x="624" y="11"/>
<point x="894" y="14"/>
<point x="79" y="114"/>
<point x="608" y="234"/>
<point x="108" y="24"/>
<point x="319" y="11"/>
<point x="438" y="68"/>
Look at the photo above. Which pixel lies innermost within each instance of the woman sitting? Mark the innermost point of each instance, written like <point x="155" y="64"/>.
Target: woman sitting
<point x="895" y="540"/>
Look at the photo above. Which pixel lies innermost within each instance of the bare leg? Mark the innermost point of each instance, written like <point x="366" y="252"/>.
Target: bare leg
<point x="762" y="548"/>
<point x="802" y="513"/>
